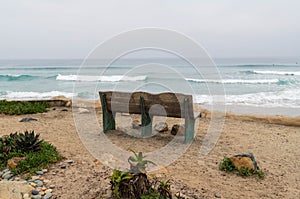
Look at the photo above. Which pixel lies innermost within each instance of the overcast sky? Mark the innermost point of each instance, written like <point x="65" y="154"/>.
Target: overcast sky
<point x="72" y="28"/>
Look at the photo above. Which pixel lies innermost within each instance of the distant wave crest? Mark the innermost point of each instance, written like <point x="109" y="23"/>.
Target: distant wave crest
<point x="33" y="95"/>
<point x="237" y="81"/>
<point x="270" y="72"/>
<point x="113" y="78"/>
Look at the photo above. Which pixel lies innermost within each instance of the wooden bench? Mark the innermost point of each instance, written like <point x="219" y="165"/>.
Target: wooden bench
<point x="174" y="105"/>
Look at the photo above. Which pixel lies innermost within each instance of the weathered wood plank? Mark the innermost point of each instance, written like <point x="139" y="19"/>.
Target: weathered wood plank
<point x="172" y="104"/>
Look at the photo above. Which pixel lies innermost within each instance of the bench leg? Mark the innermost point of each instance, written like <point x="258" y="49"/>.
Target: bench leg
<point x="108" y="117"/>
<point x="146" y="120"/>
<point x="189" y="123"/>
<point x="189" y="129"/>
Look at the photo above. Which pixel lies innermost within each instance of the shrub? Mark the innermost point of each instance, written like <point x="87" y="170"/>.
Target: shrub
<point x="19" y="108"/>
<point x="228" y="166"/>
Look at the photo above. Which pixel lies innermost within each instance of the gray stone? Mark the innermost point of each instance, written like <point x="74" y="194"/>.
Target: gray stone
<point x="47" y="196"/>
<point x="34" y="192"/>
<point x="69" y="161"/>
<point x="63" y="166"/>
<point x="135" y="124"/>
<point x="52" y="186"/>
<point x="39" y="172"/>
<point x="27" y="119"/>
<point x="6" y="173"/>
<point x="36" y="197"/>
<point x="218" y="195"/>
<point x="8" y="176"/>
<point x="5" y="170"/>
<point x="39" y="183"/>
<point x="161" y="127"/>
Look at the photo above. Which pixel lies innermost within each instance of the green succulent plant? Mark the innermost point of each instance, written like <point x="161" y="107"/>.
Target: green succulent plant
<point x="28" y="141"/>
<point x="138" y="163"/>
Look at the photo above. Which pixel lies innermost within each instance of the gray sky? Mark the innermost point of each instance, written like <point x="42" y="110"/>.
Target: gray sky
<point x="71" y="28"/>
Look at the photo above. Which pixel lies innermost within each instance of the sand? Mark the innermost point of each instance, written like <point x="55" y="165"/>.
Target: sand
<point x="274" y="141"/>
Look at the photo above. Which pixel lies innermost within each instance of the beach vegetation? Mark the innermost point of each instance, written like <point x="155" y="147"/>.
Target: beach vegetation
<point x="134" y="183"/>
<point x="228" y="166"/>
<point x="20" y="108"/>
<point x="34" y="154"/>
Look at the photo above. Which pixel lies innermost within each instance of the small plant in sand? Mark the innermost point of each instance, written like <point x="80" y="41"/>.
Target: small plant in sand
<point x="32" y="152"/>
<point x="135" y="184"/>
<point x="228" y="166"/>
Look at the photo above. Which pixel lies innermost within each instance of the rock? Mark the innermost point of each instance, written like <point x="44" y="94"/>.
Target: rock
<point x="6" y="173"/>
<point x="69" y="161"/>
<point x="34" y="192"/>
<point x="64" y="110"/>
<point x="39" y="172"/>
<point x="135" y="124"/>
<point x="244" y="160"/>
<point x="13" y="162"/>
<point x="27" y="119"/>
<point x="36" y="197"/>
<point x="177" y="129"/>
<point x="8" y="176"/>
<point x="16" y="179"/>
<point x="45" y="170"/>
<point x="26" y="196"/>
<point x="32" y="184"/>
<point x="39" y="183"/>
<point x="46" y="181"/>
<point x="161" y="127"/>
<point x="218" y="195"/>
<point x="47" y="196"/>
<point x="13" y="189"/>
<point x="83" y="110"/>
<point x="35" y="178"/>
<point x="63" y="166"/>
<point x="61" y="101"/>
<point x="52" y="186"/>
<point x="48" y="191"/>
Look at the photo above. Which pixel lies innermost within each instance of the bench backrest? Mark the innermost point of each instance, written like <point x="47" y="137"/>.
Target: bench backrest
<point x="173" y="103"/>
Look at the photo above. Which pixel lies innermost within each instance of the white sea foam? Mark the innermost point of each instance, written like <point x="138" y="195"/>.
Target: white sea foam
<point x="277" y="72"/>
<point x="236" y="81"/>
<point x="88" y="78"/>
<point x="287" y="99"/>
<point x="34" y="95"/>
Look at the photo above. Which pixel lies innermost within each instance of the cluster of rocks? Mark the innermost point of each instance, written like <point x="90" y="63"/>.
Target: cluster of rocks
<point x="162" y="127"/>
<point x="35" y="188"/>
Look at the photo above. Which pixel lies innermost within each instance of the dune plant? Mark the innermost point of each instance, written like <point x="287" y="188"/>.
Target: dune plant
<point x="19" y="107"/>
<point x="228" y="166"/>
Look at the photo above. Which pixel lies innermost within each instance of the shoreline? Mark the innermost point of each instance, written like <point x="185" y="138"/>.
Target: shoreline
<point x="231" y="112"/>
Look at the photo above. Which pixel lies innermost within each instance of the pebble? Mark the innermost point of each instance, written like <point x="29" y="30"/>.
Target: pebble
<point x="63" y="166"/>
<point x="39" y="172"/>
<point x="47" y="196"/>
<point x="26" y="196"/>
<point x="218" y="195"/>
<point x="17" y="179"/>
<point x="36" y="197"/>
<point x="35" y="192"/>
<point x="5" y="170"/>
<point x="39" y="183"/>
<point x="35" y="177"/>
<point x="48" y="191"/>
<point x="45" y="170"/>
<point x="6" y="173"/>
<point x="32" y="184"/>
<point x="70" y="161"/>
<point x="44" y="188"/>
<point x="52" y="186"/>
<point x="46" y="181"/>
<point x="8" y="176"/>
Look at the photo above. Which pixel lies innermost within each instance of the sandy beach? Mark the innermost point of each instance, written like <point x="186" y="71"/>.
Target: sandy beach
<point x="274" y="141"/>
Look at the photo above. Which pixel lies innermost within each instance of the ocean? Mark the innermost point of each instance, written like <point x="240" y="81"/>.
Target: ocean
<point x="251" y="85"/>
